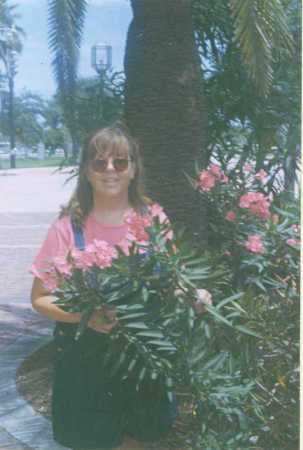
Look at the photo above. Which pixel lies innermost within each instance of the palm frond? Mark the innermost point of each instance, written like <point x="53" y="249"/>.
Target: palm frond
<point x="261" y="31"/>
<point x="65" y="21"/>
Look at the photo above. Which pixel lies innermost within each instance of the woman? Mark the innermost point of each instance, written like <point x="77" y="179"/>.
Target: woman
<point x="90" y="410"/>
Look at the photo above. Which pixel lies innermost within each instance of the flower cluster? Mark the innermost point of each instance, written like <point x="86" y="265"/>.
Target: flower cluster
<point x="209" y="177"/>
<point x="137" y="224"/>
<point x="257" y="204"/>
<point x="255" y="243"/>
<point x="99" y="253"/>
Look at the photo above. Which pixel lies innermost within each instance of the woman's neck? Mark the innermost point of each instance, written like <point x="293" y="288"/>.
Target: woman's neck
<point x="110" y="212"/>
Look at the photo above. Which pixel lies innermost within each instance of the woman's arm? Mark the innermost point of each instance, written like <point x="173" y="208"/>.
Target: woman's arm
<point x="43" y="302"/>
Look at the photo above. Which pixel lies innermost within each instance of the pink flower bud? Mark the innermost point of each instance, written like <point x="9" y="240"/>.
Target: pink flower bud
<point x="293" y="241"/>
<point x="230" y="216"/>
<point x="261" y="175"/>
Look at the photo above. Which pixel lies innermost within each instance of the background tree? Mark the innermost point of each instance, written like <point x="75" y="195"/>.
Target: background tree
<point x="8" y="19"/>
<point x="164" y="100"/>
<point x="164" y="107"/>
<point x="164" y="104"/>
<point x="54" y="133"/>
<point x="28" y="111"/>
<point x="244" y="124"/>
<point x="89" y="112"/>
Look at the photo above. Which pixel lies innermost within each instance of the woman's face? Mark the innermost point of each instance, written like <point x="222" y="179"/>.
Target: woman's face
<point x="110" y="174"/>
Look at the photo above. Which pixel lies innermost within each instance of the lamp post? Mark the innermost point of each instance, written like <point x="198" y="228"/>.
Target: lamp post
<point x="101" y="61"/>
<point x="8" y="55"/>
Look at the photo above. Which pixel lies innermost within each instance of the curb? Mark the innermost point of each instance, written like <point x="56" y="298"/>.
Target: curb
<point x="17" y="417"/>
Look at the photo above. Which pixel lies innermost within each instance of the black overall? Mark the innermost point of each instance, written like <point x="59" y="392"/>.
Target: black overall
<point x="91" y="409"/>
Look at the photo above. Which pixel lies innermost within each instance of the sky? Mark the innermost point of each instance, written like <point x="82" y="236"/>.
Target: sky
<point x="106" y="21"/>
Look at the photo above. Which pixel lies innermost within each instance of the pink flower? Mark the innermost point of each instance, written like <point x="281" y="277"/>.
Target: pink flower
<point x="295" y="228"/>
<point x="275" y="218"/>
<point x="260" y="209"/>
<point x="84" y="259"/>
<point x="207" y="180"/>
<point x="255" y="243"/>
<point x="245" y="201"/>
<point x="104" y="253"/>
<point x="293" y="241"/>
<point x="230" y="216"/>
<point x="227" y="253"/>
<point x="248" y="167"/>
<point x="137" y="224"/>
<point x="215" y="170"/>
<point x="49" y="280"/>
<point x="224" y="179"/>
<point x="124" y="245"/>
<point x="50" y="284"/>
<point x="62" y="265"/>
<point x="260" y="175"/>
<point x="257" y="204"/>
<point x="155" y="209"/>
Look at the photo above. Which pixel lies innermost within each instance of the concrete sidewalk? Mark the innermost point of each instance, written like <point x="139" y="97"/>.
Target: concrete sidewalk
<point x="29" y="201"/>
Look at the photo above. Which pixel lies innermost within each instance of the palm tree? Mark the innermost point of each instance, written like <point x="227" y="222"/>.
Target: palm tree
<point x="66" y="20"/>
<point x="164" y="100"/>
<point x="8" y="18"/>
<point x="164" y="96"/>
<point x="10" y="44"/>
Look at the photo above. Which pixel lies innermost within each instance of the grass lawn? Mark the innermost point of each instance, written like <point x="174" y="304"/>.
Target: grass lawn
<point x="26" y="163"/>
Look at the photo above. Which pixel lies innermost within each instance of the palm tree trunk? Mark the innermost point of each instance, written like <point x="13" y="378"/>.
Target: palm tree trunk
<point x="164" y="102"/>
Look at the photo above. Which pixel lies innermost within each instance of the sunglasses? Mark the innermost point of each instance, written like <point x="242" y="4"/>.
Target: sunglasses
<point x="100" y="165"/>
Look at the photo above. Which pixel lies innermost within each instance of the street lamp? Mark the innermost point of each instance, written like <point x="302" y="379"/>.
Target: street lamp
<point x="101" y="57"/>
<point x="101" y="61"/>
<point x="8" y="56"/>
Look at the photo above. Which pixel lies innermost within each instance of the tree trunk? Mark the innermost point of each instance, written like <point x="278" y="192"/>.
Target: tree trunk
<point x="164" y="102"/>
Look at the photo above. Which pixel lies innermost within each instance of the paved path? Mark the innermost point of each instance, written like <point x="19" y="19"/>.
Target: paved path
<point x="29" y="201"/>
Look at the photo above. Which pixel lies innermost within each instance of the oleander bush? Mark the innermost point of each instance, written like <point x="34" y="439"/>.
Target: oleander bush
<point x="256" y="235"/>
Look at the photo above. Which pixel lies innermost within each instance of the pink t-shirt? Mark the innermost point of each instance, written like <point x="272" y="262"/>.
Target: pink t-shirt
<point x="60" y="239"/>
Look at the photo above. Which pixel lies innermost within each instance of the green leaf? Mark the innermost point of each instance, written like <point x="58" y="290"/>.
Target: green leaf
<point x="142" y="374"/>
<point x="132" y="316"/>
<point x="207" y="331"/>
<point x="229" y="299"/>
<point x="132" y="364"/>
<point x="145" y="294"/>
<point x="139" y="325"/>
<point x="163" y="343"/>
<point x="249" y="331"/>
<point x="216" y="362"/>
<point x="155" y="334"/>
<point x="197" y="358"/>
<point x="218" y="316"/>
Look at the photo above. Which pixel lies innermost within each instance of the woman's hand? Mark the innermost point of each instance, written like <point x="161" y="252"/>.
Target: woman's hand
<point x="203" y="294"/>
<point x="102" y="321"/>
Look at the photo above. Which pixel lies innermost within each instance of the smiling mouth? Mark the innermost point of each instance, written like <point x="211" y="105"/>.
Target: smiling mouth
<point x="110" y="180"/>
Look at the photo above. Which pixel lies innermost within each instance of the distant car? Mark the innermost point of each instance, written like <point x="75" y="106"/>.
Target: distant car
<point x="33" y="155"/>
<point x="4" y="150"/>
<point x="59" y="152"/>
<point x="22" y="152"/>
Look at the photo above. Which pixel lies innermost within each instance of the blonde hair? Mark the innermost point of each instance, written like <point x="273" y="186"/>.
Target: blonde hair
<point x="116" y="141"/>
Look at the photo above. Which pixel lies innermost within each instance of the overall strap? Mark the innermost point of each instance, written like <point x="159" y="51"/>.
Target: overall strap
<point x="78" y="236"/>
